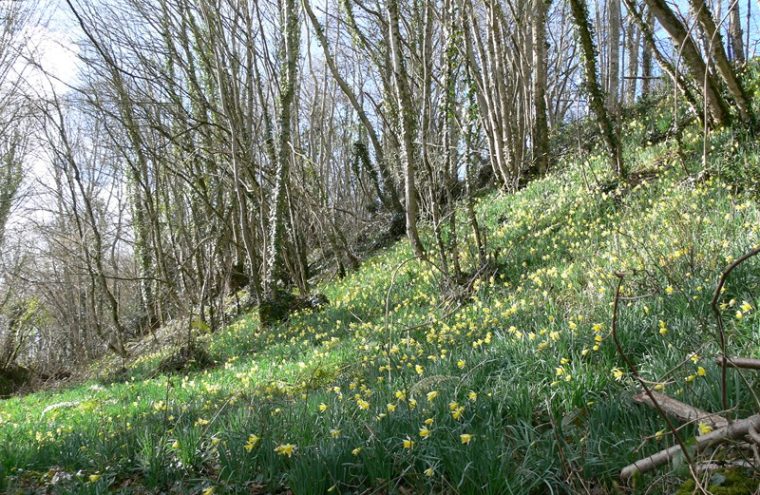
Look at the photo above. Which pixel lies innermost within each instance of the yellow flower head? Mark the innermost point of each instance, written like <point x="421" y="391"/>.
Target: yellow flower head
<point x="617" y="373"/>
<point x="465" y="438"/>
<point x="408" y="443"/>
<point x="285" y="449"/>
<point x="251" y="443"/>
<point x="457" y="413"/>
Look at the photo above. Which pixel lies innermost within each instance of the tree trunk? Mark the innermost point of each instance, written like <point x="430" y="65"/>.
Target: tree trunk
<point x="683" y="42"/>
<point x="634" y="42"/>
<point x="270" y="310"/>
<point x="596" y="98"/>
<point x="407" y="119"/>
<point x="735" y="31"/>
<point x="540" y="125"/>
<point x="646" y="24"/>
<point x="613" y="96"/>
<point x="726" y="71"/>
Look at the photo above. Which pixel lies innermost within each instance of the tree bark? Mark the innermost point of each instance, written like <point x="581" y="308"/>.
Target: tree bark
<point x="596" y="97"/>
<point x="726" y="71"/>
<point x="407" y="119"/>
<point x="646" y="24"/>
<point x="735" y="31"/>
<point x="613" y="96"/>
<point x="275" y="255"/>
<point x="540" y="124"/>
<point x="683" y="41"/>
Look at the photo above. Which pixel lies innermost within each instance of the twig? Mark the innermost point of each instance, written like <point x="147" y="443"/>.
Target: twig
<point x="719" y="320"/>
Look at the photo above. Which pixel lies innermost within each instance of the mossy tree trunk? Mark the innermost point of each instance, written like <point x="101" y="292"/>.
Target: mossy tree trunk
<point x="540" y="121"/>
<point x="407" y="120"/>
<point x="579" y="10"/>
<point x="270" y="310"/>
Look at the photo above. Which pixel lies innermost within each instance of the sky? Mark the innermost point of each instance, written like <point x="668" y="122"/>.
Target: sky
<point x="51" y="40"/>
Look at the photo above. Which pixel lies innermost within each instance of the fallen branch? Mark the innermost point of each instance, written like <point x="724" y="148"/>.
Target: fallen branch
<point x="707" y="467"/>
<point x="681" y="410"/>
<point x="733" y="431"/>
<point x="754" y="435"/>
<point x="745" y="363"/>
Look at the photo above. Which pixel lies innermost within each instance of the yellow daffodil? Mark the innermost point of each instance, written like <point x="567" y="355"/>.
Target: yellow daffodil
<point x="251" y="443"/>
<point x="285" y="449"/>
<point x="618" y="373"/>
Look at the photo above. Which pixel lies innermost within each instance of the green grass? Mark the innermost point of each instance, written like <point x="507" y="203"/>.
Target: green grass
<point x="527" y="366"/>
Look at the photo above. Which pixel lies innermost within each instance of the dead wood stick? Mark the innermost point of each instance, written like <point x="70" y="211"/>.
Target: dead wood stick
<point x="706" y="467"/>
<point x="746" y="363"/>
<point x="681" y="410"/>
<point x="754" y="435"/>
<point x="735" y="430"/>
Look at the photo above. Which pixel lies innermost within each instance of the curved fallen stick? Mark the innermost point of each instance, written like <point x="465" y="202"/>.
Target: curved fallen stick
<point x="681" y="410"/>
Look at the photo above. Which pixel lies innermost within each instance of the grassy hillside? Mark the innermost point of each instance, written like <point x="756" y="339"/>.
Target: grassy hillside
<point x="395" y="388"/>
